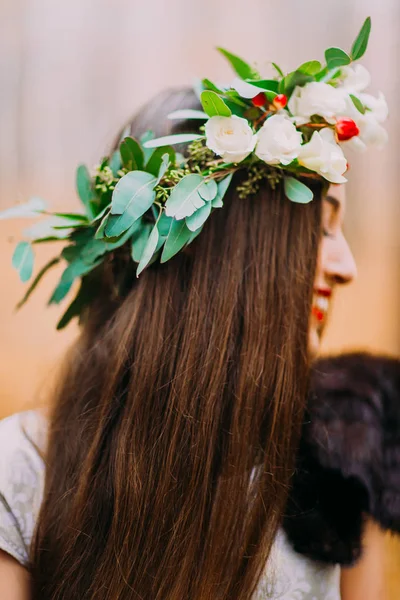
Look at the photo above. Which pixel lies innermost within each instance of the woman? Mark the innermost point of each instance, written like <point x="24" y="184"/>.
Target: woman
<point x="171" y="442"/>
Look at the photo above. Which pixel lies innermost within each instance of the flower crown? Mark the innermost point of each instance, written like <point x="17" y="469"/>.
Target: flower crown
<point x="149" y="198"/>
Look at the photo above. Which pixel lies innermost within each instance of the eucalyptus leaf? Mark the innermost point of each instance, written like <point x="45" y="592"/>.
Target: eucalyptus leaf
<point x="312" y="67"/>
<point x="222" y="188"/>
<point x="179" y="235"/>
<point x="85" y="189"/>
<point x="297" y="191"/>
<point x="209" y="190"/>
<point x="60" y="292"/>
<point x="241" y="67"/>
<point x="96" y="248"/>
<point x="146" y="137"/>
<point x="179" y="138"/>
<point x="23" y="259"/>
<point x="149" y="250"/>
<point x="188" y="114"/>
<point x="213" y="105"/>
<point x="83" y="297"/>
<point x="115" y="163"/>
<point x="358" y="104"/>
<point x="156" y="159"/>
<point x="133" y="196"/>
<point x="185" y="197"/>
<point x="37" y="279"/>
<point x="361" y="43"/>
<point x="197" y="219"/>
<point x="164" y="224"/>
<point x="33" y="208"/>
<point x="139" y="241"/>
<point x="194" y="235"/>
<point x="336" y="57"/>
<point x="131" y="154"/>
<point x="77" y="268"/>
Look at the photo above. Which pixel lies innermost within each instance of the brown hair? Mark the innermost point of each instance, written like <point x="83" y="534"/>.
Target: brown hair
<point x="174" y="429"/>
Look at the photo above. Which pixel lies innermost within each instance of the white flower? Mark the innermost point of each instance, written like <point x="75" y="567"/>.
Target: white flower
<point x="278" y="141"/>
<point x="323" y="155"/>
<point x="230" y="137"/>
<point x="354" y="79"/>
<point x="316" y="98"/>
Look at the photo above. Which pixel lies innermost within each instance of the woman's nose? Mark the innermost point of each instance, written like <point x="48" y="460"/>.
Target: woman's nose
<point x="341" y="266"/>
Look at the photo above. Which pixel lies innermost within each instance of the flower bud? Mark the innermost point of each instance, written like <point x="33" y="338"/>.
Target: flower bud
<point x="346" y="129"/>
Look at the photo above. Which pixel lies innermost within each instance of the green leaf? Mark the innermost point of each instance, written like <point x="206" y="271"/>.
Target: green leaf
<point x="33" y="208"/>
<point x="133" y="196"/>
<point x="187" y="114"/>
<point x="360" y="45"/>
<point x="178" y="236"/>
<point x="241" y="68"/>
<point x="146" y="137"/>
<point x="149" y="250"/>
<point x="85" y="189"/>
<point x="164" y="224"/>
<point x="209" y="190"/>
<point x="197" y="219"/>
<point x="186" y="196"/>
<point x="139" y="241"/>
<point x="82" y="299"/>
<point x="213" y="105"/>
<point x="115" y="163"/>
<point x="194" y="235"/>
<point x="75" y="269"/>
<point x="312" y="67"/>
<point x="296" y="191"/>
<point x="96" y="248"/>
<point x="293" y="79"/>
<point x="37" y="279"/>
<point x="156" y="160"/>
<point x="358" y="104"/>
<point x="23" y="259"/>
<point x="60" y="292"/>
<point x="179" y="138"/>
<point x="265" y="84"/>
<point x="336" y="57"/>
<point x="69" y="216"/>
<point x="278" y="70"/>
<point x="209" y="85"/>
<point x="131" y="154"/>
<point x="223" y="185"/>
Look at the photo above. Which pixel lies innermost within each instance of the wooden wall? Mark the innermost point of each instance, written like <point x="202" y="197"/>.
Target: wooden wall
<point x="72" y="72"/>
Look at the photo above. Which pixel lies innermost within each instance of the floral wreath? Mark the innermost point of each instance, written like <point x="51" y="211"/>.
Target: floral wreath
<point x="153" y="200"/>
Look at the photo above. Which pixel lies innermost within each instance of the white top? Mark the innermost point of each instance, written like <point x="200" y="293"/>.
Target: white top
<point x="288" y="575"/>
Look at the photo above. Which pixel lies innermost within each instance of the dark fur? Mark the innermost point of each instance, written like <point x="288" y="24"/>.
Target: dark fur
<point x="349" y="458"/>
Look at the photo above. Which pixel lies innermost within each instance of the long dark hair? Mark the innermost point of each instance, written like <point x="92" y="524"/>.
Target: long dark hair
<point x="174" y="427"/>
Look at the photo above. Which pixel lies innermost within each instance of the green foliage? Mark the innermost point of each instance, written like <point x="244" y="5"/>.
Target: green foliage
<point x="209" y="85"/>
<point x="133" y="196"/>
<point x="361" y="43"/>
<point x="297" y="191"/>
<point x="85" y="190"/>
<point x="131" y="154"/>
<point x="37" y="279"/>
<point x="179" y="234"/>
<point x="189" y="195"/>
<point x="241" y="67"/>
<point x="278" y="70"/>
<point x="188" y="114"/>
<point x="358" y="104"/>
<point x="148" y="250"/>
<point x="312" y="67"/>
<point x="23" y="259"/>
<point x="213" y="105"/>
<point x="265" y="84"/>
<point x="292" y="80"/>
<point x="223" y="185"/>
<point x="156" y="160"/>
<point x="336" y="57"/>
<point x="198" y="218"/>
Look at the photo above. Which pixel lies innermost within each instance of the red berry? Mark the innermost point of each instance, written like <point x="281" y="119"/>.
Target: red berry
<point x="280" y="101"/>
<point x="346" y="129"/>
<point x="259" y="100"/>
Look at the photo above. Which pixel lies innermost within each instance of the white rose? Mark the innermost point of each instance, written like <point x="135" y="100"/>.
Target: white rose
<point x="354" y="79"/>
<point x="323" y="155"/>
<point x="278" y="141"/>
<point x="316" y="98"/>
<point x="230" y="137"/>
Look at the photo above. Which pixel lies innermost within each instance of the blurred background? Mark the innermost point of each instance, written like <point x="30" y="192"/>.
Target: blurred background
<point x="73" y="72"/>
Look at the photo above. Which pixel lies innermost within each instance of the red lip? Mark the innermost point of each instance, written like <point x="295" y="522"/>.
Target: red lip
<point x="326" y="293"/>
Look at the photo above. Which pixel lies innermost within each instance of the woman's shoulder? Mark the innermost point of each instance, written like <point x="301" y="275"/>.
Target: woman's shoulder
<point x="22" y="441"/>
